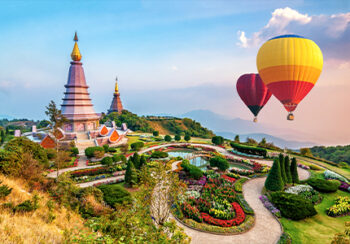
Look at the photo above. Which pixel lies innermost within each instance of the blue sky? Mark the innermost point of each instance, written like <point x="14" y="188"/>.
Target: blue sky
<point x="184" y="50"/>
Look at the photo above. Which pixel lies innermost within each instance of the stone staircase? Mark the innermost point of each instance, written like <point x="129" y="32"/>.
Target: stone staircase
<point x="83" y="142"/>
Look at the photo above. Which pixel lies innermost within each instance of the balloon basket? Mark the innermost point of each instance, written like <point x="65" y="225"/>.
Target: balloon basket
<point x="255" y="120"/>
<point x="290" y="117"/>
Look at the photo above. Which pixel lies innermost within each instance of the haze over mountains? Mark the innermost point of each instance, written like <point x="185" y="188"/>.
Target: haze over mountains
<point x="230" y="127"/>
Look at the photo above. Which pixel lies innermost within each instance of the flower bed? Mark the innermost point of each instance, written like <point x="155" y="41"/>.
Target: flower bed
<point x="109" y="182"/>
<point x="216" y="204"/>
<point x="340" y="208"/>
<point x="75" y="163"/>
<point x="90" y="163"/>
<point x="306" y="192"/>
<point x="344" y="186"/>
<point x="267" y="204"/>
<point x="334" y="176"/>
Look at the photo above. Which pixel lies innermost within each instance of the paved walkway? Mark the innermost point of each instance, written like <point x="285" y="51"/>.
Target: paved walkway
<point x="91" y="183"/>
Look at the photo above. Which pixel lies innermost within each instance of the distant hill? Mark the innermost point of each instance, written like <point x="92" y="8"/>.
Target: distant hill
<point x="229" y="128"/>
<point x="163" y="124"/>
<point x="279" y="142"/>
<point x="336" y="154"/>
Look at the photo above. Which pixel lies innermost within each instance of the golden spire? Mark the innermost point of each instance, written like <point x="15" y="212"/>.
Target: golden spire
<point x="116" y="90"/>
<point x="76" y="56"/>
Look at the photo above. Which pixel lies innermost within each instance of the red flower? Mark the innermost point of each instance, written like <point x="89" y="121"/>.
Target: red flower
<point x="239" y="218"/>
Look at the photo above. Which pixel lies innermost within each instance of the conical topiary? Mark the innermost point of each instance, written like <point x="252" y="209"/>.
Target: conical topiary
<point x="274" y="180"/>
<point x="283" y="170"/>
<point x="143" y="161"/>
<point x="287" y="168"/>
<point x="294" y="171"/>
<point x="130" y="174"/>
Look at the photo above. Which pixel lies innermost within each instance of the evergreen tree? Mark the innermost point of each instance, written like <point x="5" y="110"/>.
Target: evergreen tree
<point x="282" y="168"/>
<point x="274" y="180"/>
<point x="237" y="139"/>
<point x="2" y="137"/>
<point x="187" y="137"/>
<point x="143" y="161"/>
<point x="294" y="171"/>
<point x="136" y="160"/>
<point x="287" y="168"/>
<point x="177" y="137"/>
<point x="130" y="174"/>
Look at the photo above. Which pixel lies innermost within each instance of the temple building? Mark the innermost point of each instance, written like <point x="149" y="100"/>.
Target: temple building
<point x="116" y="105"/>
<point x="77" y="106"/>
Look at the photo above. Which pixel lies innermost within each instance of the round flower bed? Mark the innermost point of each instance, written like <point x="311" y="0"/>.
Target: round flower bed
<point x="215" y="208"/>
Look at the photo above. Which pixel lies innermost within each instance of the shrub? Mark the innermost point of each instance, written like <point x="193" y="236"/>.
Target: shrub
<point x="249" y="150"/>
<point x="282" y="168"/>
<point x="274" y="180"/>
<point x="294" y="171"/>
<point x="293" y="206"/>
<point x="187" y="137"/>
<point x="26" y="206"/>
<point x="245" y="206"/>
<point x="324" y="185"/>
<point x="177" y="138"/>
<point x="90" y="151"/>
<point x="155" y="133"/>
<point x="74" y="150"/>
<point x="159" y="154"/>
<point x="107" y="161"/>
<point x="136" y="146"/>
<point x="306" y="192"/>
<point x="341" y="207"/>
<point x="219" y="162"/>
<point x="217" y="140"/>
<point x="5" y="191"/>
<point x="113" y="194"/>
<point x="106" y="147"/>
<point x="112" y="150"/>
<point x="287" y="168"/>
<point x="167" y="138"/>
<point x="193" y="170"/>
<point x="131" y="177"/>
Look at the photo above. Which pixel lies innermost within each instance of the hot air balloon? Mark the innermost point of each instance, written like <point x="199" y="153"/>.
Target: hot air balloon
<point x="289" y="65"/>
<point x="253" y="92"/>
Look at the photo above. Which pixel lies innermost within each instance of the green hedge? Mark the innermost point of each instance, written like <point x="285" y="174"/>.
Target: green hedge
<point x="113" y="194"/>
<point x="324" y="185"/>
<point x="136" y="146"/>
<point x="89" y="152"/>
<point x="193" y="170"/>
<point x="159" y="154"/>
<point x="293" y="206"/>
<point x="249" y="149"/>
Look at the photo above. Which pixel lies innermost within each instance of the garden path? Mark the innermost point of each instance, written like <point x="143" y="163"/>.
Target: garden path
<point x="91" y="183"/>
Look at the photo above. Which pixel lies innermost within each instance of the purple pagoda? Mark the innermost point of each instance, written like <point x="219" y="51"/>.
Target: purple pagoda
<point x="77" y="106"/>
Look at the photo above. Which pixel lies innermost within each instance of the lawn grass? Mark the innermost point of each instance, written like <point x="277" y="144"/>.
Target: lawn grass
<point x="319" y="228"/>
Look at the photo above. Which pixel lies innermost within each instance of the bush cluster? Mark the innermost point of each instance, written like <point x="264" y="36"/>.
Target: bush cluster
<point x="193" y="170"/>
<point x="324" y="185"/>
<point x="249" y="150"/>
<point x="159" y="154"/>
<point x="136" y="146"/>
<point x="293" y="206"/>
<point x="113" y="194"/>
<point x="89" y="152"/>
<point x="219" y="162"/>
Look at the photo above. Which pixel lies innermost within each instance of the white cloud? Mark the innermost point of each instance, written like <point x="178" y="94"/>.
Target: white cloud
<point x="330" y="32"/>
<point x="242" y="38"/>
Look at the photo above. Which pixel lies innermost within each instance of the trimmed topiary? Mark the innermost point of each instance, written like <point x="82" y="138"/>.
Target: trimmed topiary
<point x="293" y="206"/>
<point x="107" y="161"/>
<point x="294" y="171"/>
<point x="324" y="185"/>
<point x="287" y="168"/>
<point x="219" y="162"/>
<point x="113" y="194"/>
<point x="283" y="170"/>
<point x="274" y="180"/>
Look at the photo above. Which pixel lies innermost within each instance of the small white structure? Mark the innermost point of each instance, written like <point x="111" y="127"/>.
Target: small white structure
<point x="17" y="133"/>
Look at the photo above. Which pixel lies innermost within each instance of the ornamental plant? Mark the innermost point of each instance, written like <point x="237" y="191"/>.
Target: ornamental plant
<point x="340" y="208"/>
<point x="287" y="168"/>
<point x="274" y="180"/>
<point x="282" y="168"/>
<point x="324" y="185"/>
<point x="332" y="175"/>
<point x="294" y="171"/>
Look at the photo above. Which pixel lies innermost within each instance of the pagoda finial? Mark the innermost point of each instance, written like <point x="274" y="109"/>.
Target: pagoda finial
<point x="116" y="90"/>
<point x="76" y="56"/>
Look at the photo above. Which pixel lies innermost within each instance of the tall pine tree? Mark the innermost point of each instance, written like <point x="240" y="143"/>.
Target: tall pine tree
<point x="274" y="180"/>
<point x="143" y="161"/>
<point x="136" y="160"/>
<point x="294" y="171"/>
<point x="130" y="174"/>
<point x="287" y="168"/>
<point x="283" y="170"/>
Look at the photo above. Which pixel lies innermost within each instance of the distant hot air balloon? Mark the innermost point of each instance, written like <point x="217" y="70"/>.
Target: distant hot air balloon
<point x="289" y="65"/>
<point x="253" y="92"/>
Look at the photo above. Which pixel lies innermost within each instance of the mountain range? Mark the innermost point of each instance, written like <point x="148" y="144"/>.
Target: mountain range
<point x="230" y="127"/>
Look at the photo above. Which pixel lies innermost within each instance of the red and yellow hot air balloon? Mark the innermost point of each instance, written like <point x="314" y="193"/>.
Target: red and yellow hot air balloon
<point x="289" y="65"/>
<point x="253" y="92"/>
